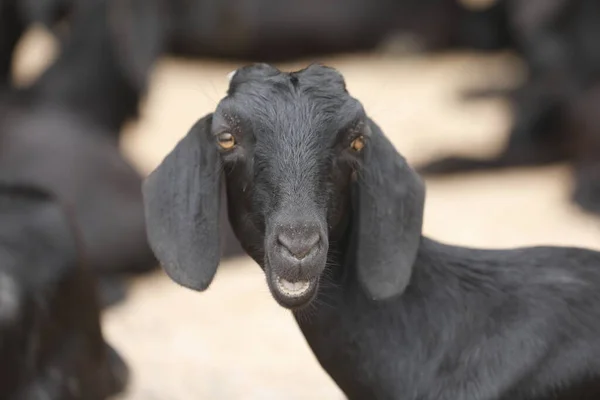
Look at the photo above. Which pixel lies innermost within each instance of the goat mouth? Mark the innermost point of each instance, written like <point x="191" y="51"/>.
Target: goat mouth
<point x="293" y="294"/>
<point x="292" y="289"/>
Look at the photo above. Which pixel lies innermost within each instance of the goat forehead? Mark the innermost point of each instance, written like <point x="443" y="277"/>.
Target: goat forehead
<point x="293" y="133"/>
<point x="296" y="132"/>
<point x="293" y="117"/>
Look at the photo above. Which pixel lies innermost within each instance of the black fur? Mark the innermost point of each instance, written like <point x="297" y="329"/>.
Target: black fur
<point x="278" y="31"/>
<point x="178" y="238"/>
<point x="104" y="64"/>
<point x="389" y="314"/>
<point x="51" y="344"/>
<point x="62" y="134"/>
<point x="270" y="30"/>
<point x="47" y="12"/>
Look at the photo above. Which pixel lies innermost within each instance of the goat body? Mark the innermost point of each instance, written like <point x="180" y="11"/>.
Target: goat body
<point x="472" y="324"/>
<point x="61" y="151"/>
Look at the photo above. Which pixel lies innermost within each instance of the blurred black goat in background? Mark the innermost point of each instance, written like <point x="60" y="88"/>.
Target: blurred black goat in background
<point x="51" y="344"/>
<point x="556" y="110"/>
<point x="61" y="133"/>
<point x="271" y="30"/>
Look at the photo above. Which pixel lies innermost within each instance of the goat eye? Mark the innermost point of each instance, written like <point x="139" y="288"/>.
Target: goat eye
<point x="358" y="143"/>
<point x="226" y="141"/>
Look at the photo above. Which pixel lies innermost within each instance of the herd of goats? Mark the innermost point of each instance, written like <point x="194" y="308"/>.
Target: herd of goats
<point x="289" y="170"/>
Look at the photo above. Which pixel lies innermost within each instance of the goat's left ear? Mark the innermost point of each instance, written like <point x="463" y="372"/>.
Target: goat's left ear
<point x="388" y="199"/>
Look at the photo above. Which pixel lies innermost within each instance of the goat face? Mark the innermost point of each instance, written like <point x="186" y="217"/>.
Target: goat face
<point x="288" y="144"/>
<point x="298" y="154"/>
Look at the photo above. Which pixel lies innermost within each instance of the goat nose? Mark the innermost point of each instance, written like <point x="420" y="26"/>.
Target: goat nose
<point x="299" y="246"/>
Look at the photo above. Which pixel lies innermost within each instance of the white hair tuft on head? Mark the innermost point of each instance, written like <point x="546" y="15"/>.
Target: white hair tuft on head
<point x="231" y="75"/>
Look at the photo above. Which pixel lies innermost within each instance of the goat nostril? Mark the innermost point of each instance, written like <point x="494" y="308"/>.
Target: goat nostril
<point x="299" y="247"/>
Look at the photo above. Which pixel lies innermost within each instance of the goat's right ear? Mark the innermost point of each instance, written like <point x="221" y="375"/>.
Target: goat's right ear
<point x="388" y="199"/>
<point x="182" y="201"/>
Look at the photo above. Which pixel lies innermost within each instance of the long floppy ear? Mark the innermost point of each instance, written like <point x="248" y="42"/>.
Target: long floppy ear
<point x="182" y="202"/>
<point x="389" y="198"/>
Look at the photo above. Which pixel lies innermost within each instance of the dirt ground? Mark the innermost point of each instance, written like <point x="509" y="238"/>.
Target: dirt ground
<point x="233" y="341"/>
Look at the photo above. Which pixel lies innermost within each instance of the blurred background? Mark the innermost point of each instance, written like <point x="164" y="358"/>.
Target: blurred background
<point x="439" y="76"/>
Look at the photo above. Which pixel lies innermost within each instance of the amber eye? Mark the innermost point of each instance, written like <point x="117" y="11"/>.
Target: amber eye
<point x="358" y="143"/>
<point x="226" y="141"/>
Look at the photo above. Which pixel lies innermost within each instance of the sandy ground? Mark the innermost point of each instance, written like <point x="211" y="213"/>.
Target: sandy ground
<point x="233" y="341"/>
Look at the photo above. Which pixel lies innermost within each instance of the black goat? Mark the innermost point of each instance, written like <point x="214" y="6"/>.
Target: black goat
<point x="333" y="214"/>
<point x="280" y="31"/>
<point x="104" y="65"/>
<point x="559" y="42"/>
<point x="61" y="133"/>
<point x="51" y="344"/>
